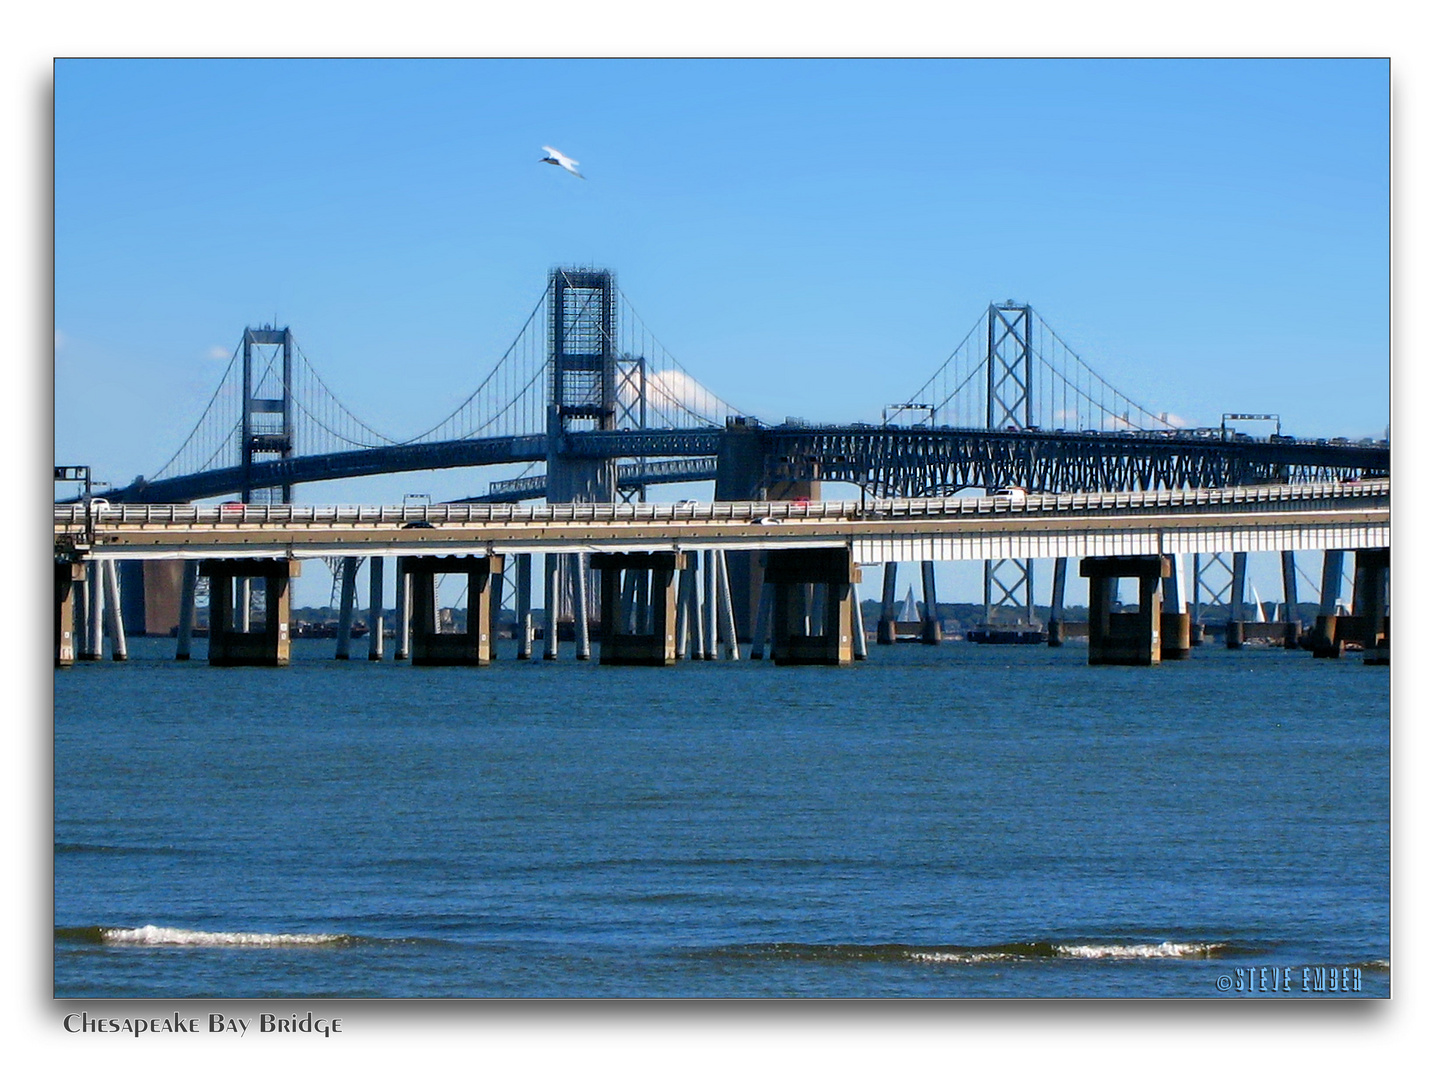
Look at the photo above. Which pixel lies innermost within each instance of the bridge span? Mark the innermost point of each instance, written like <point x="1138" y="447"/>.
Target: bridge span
<point x="804" y="559"/>
<point x="1305" y="517"/>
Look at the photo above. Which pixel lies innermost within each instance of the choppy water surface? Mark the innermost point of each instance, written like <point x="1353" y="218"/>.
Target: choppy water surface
<point x="961" y="820"/>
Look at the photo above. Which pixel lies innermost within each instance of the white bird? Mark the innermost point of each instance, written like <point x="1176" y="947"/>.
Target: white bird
<point x="564" y="162"/>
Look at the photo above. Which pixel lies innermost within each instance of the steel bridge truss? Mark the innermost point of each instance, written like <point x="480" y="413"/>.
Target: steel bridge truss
<point x="928" y="462"/>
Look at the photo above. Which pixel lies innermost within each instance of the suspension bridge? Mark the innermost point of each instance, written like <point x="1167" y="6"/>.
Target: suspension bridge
<point x="586" y="381"/>
<point x="587" y="393"/>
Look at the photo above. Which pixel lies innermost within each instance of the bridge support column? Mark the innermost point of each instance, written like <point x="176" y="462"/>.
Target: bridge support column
<point x="792" y="573"/>
<point x="184" y="631"/>
<point x="711" y="604"/>
<point x="376" y="607"/>
<point x="523" y="601"/>
<point x="1369" y="604"/>
<point x="243" y="605"/>
<point x="403" y="612"/>
<point x="581" y="607"/>
<point x="693" y="620"/>
<point x="230" y="647"/>
<point x="113" y="614"/>
<point x="94" y="599"/>
<point x="551" y="607"/>
<point x="470" y="647"/>
<point x="1293" y="631"/>
<point x="67" y="574"/>
<point x="932" y="625"/>
<point x="728" y="630"/>
<point x="652" y="639"/>
<point x="349" y="573"/>
<point x="1059" y="602"/>
<point x="685" y="598"/>
<point x="888" y="609"/>
<point x="764" y="620"/>
<point x="1118" y="637"/>
<point x="1237" y="607"/>
<point x="1175" y="622"/>
<point x="1324" y="639"/>
<point x="860" y="635"/>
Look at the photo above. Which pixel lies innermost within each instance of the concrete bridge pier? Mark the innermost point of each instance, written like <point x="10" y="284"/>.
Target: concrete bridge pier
<point x="1175" y="622"/>
<point x="1124" y="637"/>
<point x="470" y="647"/>
<point x="376" y="607"/>
<point x="860" y="636"/>
<point x="67" y="577"/>
<point x="828" y="571"/>
<point x="403" y="611"/>
<point x="1369" y="604"/>
<point x="580" y="572"/>
<point x="693" y="621"/>
<point x="1055" y="609"/>
<point x="685" y="601"/>
<point x="93" y="596"/>
<point x="888" y="608"/>
<point x="764" y="621"/>
<point x="1236" y="617"/>
<point x="650" y="637"/>
<point x="114" y="622"/>
<point x="1292" y="632"/>
<point x="1324" y="640"/>
<point x="523" y="599"/>
<point x="932" y="625"/>
<point x="238" y="647"/>
<point x="184" y="630"/>
<point x="728" y="629"/>
<point x="552" y="600"/>
<point x="349" y="574"/>
<point x="710" y="606"/>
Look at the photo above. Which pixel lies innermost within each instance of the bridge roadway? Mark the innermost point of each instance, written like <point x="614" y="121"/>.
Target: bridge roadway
<point x="1320" y="516"/>
<point x="890" y="461"/>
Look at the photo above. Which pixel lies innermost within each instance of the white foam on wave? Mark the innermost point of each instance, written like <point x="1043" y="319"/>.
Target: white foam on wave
<point x="169" y="935"/>
<point x="963" y="957"/>
<point x="1164" y="951"/>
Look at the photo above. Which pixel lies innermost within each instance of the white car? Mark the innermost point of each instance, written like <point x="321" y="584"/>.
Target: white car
<point x="1012" y="494"/>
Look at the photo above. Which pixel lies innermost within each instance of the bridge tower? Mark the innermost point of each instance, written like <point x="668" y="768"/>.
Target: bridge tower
<point x="583" y="387"/>
<point x="1010" y="407"/>
<point x="267" y="419"/>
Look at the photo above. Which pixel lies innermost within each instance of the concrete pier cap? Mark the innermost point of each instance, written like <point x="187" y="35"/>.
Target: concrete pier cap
<point x="1131" y="638"/>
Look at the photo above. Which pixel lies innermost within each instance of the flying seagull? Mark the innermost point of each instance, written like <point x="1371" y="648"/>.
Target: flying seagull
<point x="568" y="164"/>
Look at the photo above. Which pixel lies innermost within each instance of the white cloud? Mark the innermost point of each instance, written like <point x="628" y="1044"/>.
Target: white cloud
<point x="218" y="352"/>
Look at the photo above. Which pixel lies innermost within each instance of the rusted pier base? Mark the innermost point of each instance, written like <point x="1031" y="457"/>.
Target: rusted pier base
<point x="66" y="575"/>
<point x="1175" y="635"/>
<point x="470" y="647"/>
<point x="643" y="632"/>
<point x="1118" y="637"/>
<point x="823" y="632"/>
<point x="230" y="647"/>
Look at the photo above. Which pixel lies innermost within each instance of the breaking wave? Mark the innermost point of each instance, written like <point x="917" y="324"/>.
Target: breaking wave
<point x="174" y="936"/>
<point x="1009" y="952"/>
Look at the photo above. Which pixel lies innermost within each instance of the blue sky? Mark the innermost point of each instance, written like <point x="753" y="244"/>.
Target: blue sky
<point x="807" y="237"/>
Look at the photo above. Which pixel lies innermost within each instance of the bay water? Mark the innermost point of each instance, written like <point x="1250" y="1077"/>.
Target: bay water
<point x="961" y="820"/>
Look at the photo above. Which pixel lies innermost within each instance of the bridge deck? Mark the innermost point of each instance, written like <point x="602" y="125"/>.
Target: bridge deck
<point x="1273" y="517"/>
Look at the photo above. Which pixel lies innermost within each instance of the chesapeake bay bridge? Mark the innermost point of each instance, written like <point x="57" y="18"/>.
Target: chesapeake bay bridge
<point x="592" y="412"/>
